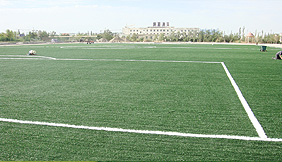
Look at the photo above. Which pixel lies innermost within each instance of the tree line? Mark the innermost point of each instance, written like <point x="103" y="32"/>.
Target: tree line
<point x="209" y="36"/>
<point x="13" y="36"/>
<point x="107" y="35"/>
<point x="44" y="36"/>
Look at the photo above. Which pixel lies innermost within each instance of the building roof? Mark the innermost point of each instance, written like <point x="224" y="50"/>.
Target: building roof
<point x="250" y="34"/>
<point x="117" y="39"/>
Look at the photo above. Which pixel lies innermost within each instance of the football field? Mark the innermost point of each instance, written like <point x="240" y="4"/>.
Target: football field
<point x="140" y="102"/>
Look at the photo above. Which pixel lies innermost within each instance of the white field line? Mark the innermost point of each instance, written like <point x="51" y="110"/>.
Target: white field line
<point x="142" y="131"/>
<point x="20" y="59"/>
<point x="24" y="57"/>
<point x="129" y="47"/>
<point x="246" y="106"/>
<point x="44" y="57"/>
<point x="13" y="55"/>
<point x="206" y="62"/>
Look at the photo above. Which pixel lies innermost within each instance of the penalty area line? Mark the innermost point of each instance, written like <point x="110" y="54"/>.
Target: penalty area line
<point x="165" y="61"/>
<point x="245" y="104"/>
<point x="142" y="131"/>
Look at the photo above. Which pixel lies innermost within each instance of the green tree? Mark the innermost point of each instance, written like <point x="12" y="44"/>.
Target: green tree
<point x="240" y="33"/>
<point x="231" y="37"/>
<point x="161" y="37"/>
<point x="226" y="38"/>
<point x="173" y="37"/>
<point x="43" y="35"/>
<point x="201" y="36"/>
<point x="10" y="35"/>
<point x="141" y="39"/>
<point x="236" y="37"/>
<point x="99" y="36"/>
<point x="207" y="36"/>
<point x="216" y="35"/>
<point x="33" y="35"/>
<point x="108" y="35"/>
<point x="271" y="38"/>
<point x="134" y="38"/>
<point x="186" y="37"/>
<point x="195" y="36"/>
<point x="3" y="37"/>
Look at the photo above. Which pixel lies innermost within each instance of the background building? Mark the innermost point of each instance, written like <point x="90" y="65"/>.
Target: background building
<point x="158" y="29"/>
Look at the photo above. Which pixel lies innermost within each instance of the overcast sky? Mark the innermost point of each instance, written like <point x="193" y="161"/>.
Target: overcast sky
<point x="73" y="16"/>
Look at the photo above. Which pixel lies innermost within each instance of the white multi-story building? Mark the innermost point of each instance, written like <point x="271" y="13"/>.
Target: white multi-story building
<point x="157" y="29"/>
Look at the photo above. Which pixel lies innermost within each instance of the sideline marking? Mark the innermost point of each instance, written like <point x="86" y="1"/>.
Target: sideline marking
<point x="142" y="131"/>
<point x="243" y="101"/>
<point x="246" y="106"/>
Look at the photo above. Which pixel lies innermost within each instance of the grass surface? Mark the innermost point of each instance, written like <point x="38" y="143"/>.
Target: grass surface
<point x="158" y="96"/>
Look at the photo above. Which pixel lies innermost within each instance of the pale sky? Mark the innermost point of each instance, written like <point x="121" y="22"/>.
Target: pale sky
<point x="73" y="16"/>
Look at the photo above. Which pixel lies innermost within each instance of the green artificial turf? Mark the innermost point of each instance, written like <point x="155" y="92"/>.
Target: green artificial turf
<point x="185" y="97"/>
